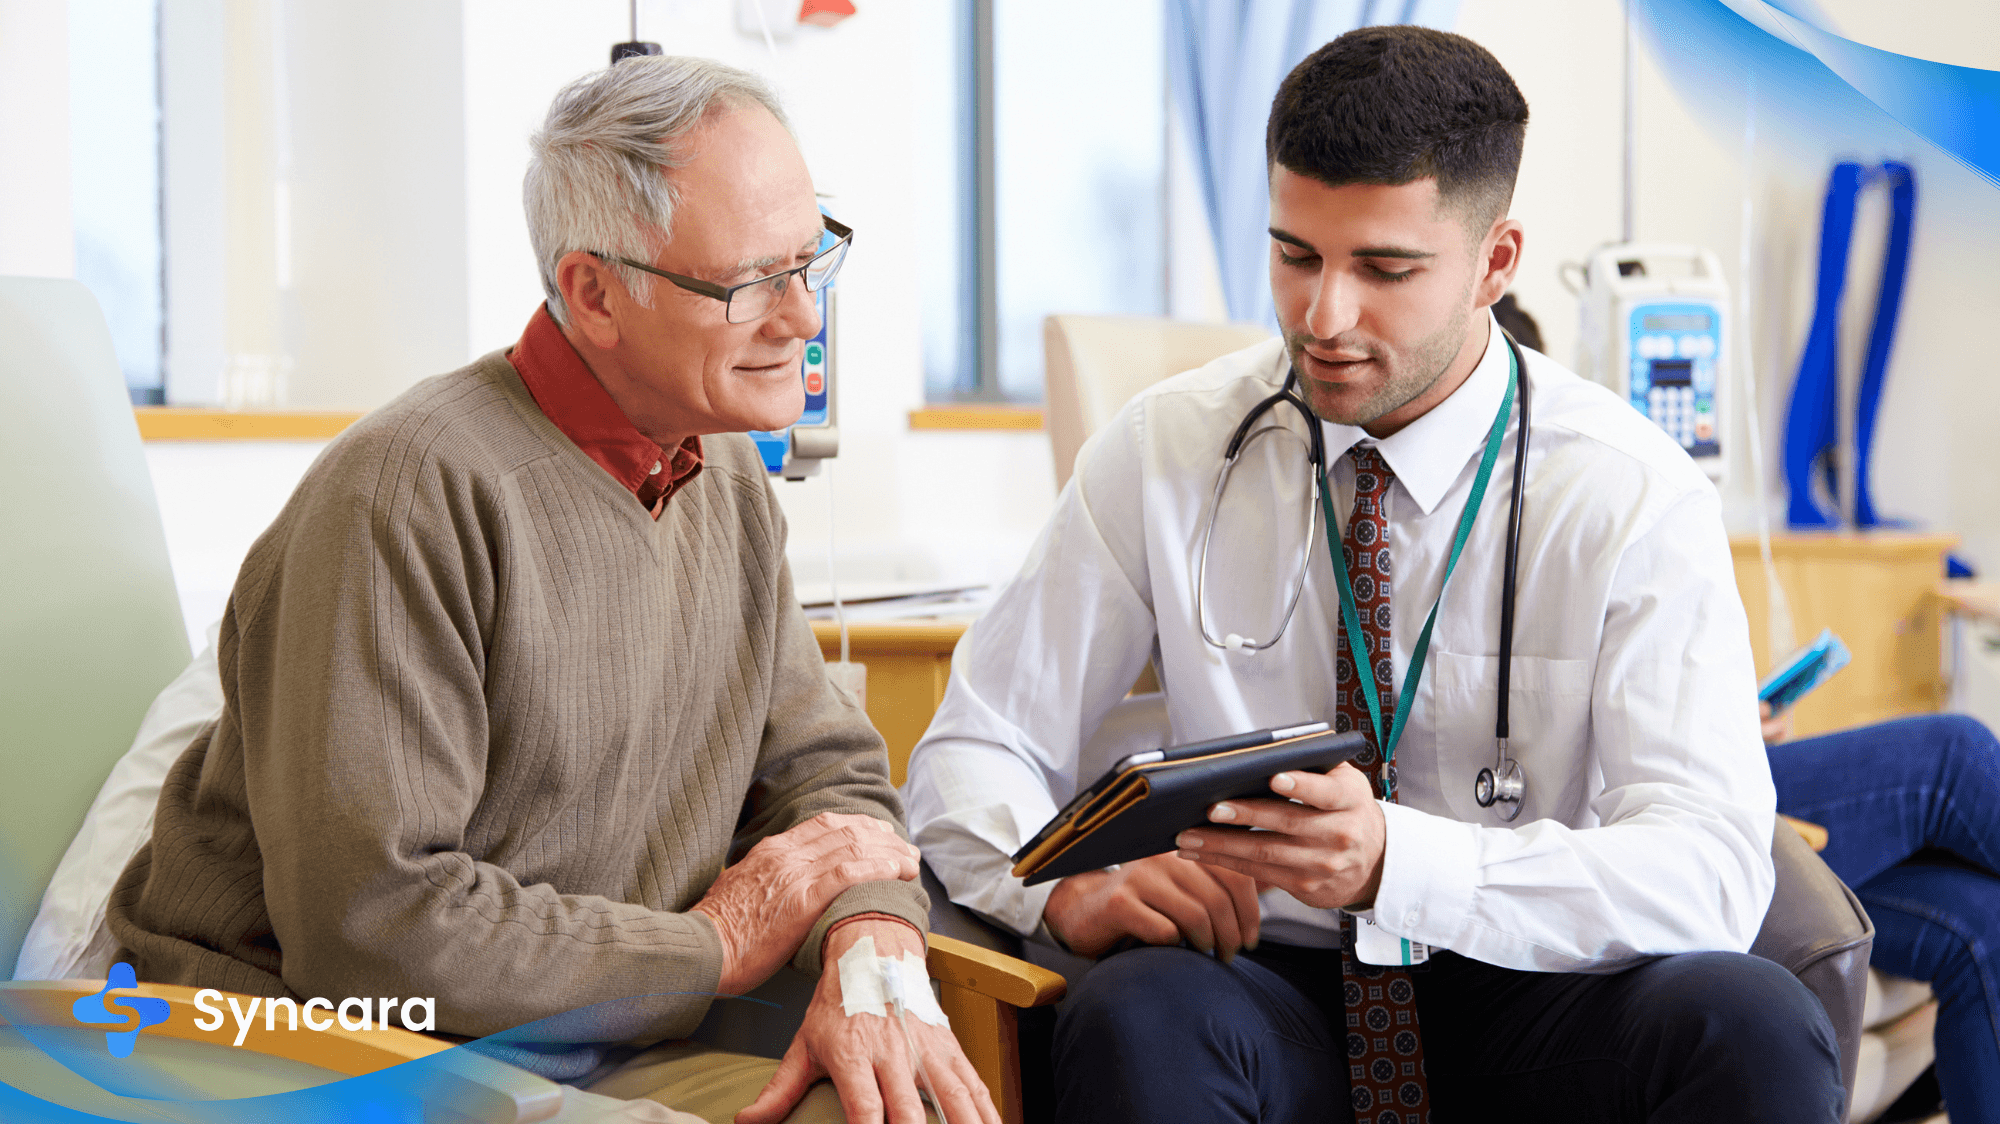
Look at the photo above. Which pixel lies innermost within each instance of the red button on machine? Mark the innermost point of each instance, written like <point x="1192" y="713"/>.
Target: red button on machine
<point x="815" y="382"/>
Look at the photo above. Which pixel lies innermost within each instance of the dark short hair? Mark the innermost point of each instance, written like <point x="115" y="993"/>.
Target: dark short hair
<point x="1395" y="104"/>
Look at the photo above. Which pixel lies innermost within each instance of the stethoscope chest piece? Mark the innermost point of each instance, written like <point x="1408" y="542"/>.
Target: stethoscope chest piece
<point x="1501" y="786"/>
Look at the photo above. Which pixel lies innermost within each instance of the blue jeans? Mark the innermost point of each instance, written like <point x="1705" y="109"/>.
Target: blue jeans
<point x="1888" y="794"/>
<point x="1158" y="1034"/>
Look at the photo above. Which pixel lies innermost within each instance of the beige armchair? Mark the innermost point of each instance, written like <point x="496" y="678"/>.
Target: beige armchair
<point x="1897" y="1019"/>
<point x="1095" y="364"/>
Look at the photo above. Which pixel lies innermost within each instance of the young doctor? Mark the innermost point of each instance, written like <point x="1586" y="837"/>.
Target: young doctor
<point x="1583" y="958"/>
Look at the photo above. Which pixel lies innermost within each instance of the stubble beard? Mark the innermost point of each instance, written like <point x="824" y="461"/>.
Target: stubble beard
<point x="1410" y="374"/>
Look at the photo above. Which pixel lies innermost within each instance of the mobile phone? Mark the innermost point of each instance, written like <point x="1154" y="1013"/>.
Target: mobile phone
<point x="1803" y="670"/>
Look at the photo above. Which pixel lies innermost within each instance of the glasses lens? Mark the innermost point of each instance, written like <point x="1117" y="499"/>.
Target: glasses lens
<point x="753" y="302"/>
<point x="821" y="269"/>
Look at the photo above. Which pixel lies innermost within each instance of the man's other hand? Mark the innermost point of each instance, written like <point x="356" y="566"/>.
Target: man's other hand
<point x="1323" y="844"/>
<point x="1159" y="900"/>
<point x="764" y="906"/>
<point x="867" y="1056"/>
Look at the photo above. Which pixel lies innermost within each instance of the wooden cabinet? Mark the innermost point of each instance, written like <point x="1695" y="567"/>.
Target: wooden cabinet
<point x="909" y="663"/>
<point x="1877" y="592"/>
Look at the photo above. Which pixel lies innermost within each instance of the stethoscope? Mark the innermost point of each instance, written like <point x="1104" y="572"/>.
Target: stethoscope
<point x="1505" y="782"/>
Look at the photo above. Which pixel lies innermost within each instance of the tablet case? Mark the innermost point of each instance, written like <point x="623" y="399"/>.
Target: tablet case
<point x="1138" y="810"/>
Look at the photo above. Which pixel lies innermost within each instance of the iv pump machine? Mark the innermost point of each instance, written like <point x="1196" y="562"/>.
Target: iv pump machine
<point x="795" y="451"/>
<point x="1653" y="330"/>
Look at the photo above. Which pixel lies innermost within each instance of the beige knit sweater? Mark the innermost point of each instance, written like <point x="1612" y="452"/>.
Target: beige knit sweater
<point x="490" y="731"/>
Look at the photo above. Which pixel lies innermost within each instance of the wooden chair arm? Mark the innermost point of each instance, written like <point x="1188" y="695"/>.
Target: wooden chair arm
<point x="995" y="975"/>
<point x="1814" y="835"/>
<point x="474" y="1087"/>
<point x="982" y="993"/>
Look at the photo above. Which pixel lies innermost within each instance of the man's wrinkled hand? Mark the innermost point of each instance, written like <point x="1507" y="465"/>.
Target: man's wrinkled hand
<point x="1159" y="900"/>
<point x="867" y="1057"/>
<point x="1322" y="844"/>
<point x="764" y="906"/>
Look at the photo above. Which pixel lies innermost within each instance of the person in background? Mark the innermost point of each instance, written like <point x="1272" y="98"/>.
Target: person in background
<point x="520" y="711"/>
<point x="1912" y="814"/>
<point x="1508" y="311"/>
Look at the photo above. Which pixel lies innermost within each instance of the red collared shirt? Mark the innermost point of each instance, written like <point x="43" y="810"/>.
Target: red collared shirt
<point x="578" y="404"/>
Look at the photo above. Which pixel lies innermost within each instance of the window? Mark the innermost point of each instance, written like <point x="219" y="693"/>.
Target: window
<point x="114" y="99"/>
<point x="1049" y="182"/>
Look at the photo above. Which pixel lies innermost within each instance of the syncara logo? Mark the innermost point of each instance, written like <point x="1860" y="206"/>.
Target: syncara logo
<point x="96" y="1010"/>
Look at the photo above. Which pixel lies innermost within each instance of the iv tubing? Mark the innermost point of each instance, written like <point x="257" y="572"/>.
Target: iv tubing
<point x="832" y="584"/>
<point x="902" y="1011"/>
<point x="1779" y="631"/>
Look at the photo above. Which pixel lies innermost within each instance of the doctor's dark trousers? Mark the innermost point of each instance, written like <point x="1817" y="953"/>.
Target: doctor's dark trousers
<point x="1158" y="1034"/>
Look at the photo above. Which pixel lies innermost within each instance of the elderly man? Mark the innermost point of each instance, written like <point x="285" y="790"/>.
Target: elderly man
<point x="519" y="670"/>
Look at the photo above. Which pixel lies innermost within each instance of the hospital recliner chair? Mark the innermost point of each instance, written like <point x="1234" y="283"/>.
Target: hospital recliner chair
<point x="1815" y="928"/>
<point x="91" y="630"/>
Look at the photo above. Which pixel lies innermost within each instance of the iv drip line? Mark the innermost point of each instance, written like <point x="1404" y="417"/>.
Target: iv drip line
<point x="1779" y="633"/>
<point x="770" y="45"/>
<point x="833" y="584"/>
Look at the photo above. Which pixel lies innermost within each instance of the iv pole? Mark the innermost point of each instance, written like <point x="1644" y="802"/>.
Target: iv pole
<point x="635" y="47"/>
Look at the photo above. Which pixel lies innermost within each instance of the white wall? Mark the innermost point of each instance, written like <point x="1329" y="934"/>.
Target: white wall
<point x="1936" y="460"/>
<point x="374" y="163"/>
<point x="36" y="236"/>
<point x="194" y="101"/>
<point x="214" y="502"/>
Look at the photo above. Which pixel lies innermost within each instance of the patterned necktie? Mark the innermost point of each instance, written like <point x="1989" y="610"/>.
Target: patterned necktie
<point x="1385" y="1051"/>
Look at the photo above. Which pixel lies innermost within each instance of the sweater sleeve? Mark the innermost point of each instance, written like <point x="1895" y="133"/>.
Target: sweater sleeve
<point x="821" y="754"/>
<point x="359" y="671"/>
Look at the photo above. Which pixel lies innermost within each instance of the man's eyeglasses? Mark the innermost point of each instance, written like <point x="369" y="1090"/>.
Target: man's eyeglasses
<point x="754" y="300"/>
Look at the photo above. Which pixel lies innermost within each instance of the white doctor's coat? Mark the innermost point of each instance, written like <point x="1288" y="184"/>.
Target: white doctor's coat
<point x="1646" y="828"/>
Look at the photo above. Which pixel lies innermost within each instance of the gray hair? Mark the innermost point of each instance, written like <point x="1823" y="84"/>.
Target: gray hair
<point x="597" y="177"/>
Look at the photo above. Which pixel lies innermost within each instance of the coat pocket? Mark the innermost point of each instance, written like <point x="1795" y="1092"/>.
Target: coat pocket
<point x="1548" y="721"/>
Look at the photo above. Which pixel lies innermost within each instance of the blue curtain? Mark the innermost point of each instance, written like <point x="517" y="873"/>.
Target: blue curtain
<point x="1225" y="59"/>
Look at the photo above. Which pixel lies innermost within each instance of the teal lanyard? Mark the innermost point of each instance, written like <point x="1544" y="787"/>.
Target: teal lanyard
<point x="1364" y="667"/>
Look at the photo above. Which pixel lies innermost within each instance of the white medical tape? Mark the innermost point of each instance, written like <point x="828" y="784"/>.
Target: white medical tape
<point x="871" y="984"/>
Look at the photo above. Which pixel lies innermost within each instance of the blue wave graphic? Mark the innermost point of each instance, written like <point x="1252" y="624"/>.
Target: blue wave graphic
<point x="391" y="1096"/>
<point x="1818" y="85"/>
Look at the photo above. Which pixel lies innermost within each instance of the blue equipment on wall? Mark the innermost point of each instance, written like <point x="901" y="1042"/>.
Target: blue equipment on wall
<point x="795" y="451"/>
<point x="1655" y="329"/>
<point x="1812" y="435"/>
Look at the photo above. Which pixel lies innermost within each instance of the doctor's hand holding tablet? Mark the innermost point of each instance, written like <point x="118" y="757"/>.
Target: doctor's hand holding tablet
<point x="1321" y="840"/>
<point x="1143" y="862"/>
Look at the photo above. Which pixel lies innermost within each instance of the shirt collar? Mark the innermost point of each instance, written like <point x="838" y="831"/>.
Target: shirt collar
<point x="578" y="405"/>
<point x="1430" y="452"/>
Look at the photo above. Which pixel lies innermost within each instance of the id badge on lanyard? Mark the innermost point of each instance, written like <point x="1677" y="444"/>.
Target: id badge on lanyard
<point x="1376" y="945"/>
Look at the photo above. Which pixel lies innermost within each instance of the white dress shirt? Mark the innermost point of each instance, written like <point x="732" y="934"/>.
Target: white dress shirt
<point x="1646" y="826"/>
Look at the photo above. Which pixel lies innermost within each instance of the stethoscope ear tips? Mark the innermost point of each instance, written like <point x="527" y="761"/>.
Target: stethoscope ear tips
<point x="1235" y="643"/>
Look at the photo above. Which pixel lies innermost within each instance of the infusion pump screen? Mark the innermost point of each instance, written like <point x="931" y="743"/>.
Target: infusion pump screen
<point x="1671" y="357"/>
<point x="1685" y="322"/>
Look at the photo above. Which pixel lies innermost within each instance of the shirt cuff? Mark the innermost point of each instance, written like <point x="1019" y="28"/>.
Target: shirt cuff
<point x="1430" y="866"/>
